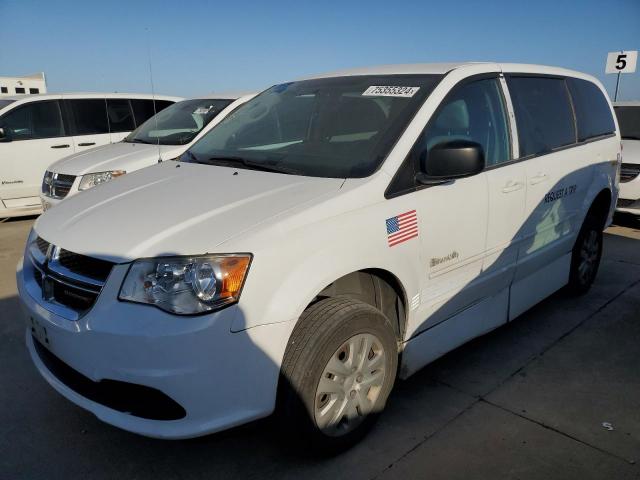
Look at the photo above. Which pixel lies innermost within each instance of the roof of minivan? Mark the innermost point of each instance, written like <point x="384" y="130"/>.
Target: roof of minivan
<point x="57" y="96"/>
<point x="223" y="95"/>
<point x="442" y="68"/>
<point x="629" y="103"/>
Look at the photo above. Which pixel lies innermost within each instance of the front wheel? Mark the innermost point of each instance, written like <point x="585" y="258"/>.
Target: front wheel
<point x="586" y="255"/>
<point x="338" y="370"/>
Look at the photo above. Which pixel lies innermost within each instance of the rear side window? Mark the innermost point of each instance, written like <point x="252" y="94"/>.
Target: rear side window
<point x="34" y="120"/>
<point x="543" y="114"/>
<point x="593" y="114"/>
<point x="143" y="109"/>
<point x="628" y="121"/>
<point x="162" y="104"/>
<point x="90" y="116"/>
<point x="120" y="115"/>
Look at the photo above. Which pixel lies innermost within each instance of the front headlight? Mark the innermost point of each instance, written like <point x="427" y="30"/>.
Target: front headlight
<point x="186" y="285"/>
<point x="90" y="180"/>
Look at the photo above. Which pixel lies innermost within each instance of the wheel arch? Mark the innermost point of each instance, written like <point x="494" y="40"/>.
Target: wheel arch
<point x="601" y="206"/>
<point x="375" y="286"/>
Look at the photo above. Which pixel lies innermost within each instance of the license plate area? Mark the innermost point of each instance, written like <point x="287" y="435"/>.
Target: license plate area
<point x="39" y="332"/>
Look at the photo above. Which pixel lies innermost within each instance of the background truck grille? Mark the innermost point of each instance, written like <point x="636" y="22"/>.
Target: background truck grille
<point x="67" y="278"/>
<point x="57" y="185"/>
<point x="629" y="171"/>
<point x="625" y="202"/>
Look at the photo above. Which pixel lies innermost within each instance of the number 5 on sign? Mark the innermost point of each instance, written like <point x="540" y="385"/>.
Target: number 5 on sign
<point x="622" y="62"/>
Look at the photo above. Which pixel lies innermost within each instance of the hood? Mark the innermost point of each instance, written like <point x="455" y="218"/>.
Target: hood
<point x="174" y="208"/>
<point x="630" y="151"/>
<point x="115" y="156"/>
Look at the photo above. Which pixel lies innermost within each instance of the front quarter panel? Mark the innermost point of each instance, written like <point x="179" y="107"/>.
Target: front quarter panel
<point x="298" y="258"/>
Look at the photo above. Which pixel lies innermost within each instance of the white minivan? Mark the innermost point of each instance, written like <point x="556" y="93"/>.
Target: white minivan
<point x="164" y="136"/>
<point x="37" y="130"/>
<point x="328" y="236"/>
<point x="628" y="114"/>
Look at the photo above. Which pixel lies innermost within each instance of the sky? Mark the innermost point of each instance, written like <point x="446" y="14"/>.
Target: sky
<point x="199" y="47"/>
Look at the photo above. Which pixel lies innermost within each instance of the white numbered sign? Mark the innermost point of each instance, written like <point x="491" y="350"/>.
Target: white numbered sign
<point x="622" y="62"/>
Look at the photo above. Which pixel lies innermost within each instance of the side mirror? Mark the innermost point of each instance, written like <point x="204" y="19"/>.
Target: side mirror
<point x="4" y="135"/>
<point x="450" y="160"/>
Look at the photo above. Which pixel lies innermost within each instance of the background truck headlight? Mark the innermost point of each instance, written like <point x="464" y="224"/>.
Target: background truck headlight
<point x="186" y="285"/>
<point x="90" y="180"/>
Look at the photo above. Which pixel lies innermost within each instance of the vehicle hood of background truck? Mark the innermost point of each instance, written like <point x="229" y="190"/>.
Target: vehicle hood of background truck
<point x="174" y="208"/>
<point x="631" y="151"/>
<point x="116" y="156"/>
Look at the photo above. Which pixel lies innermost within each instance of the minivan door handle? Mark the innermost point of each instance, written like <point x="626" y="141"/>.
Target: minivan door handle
<point x="64" y="145"/>
<point x="512" y="186"/>
<point x="87" y="144"/>
<point x="540" y="177"/>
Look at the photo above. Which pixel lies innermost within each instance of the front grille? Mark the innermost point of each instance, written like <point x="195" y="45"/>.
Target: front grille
<point x="629" y="171"/>
<point x="57" y="185"/>
<point x="43" y="245"/>
<point x="66" y="278"/>
<point x="83" y="265"/>
<point x="137" y="400"/>
<point x="74" y="298"/>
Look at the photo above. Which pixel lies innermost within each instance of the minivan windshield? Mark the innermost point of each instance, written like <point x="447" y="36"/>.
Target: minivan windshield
<point x="629" y="122"/>
<point x="339" y="127"/>
<point x="179" y="123"/>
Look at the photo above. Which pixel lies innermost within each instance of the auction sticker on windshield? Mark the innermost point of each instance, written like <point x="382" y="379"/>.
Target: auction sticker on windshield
<point x="390" y="91"/>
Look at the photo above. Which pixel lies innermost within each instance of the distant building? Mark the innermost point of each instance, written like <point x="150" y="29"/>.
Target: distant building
<point x="30" y="85"/>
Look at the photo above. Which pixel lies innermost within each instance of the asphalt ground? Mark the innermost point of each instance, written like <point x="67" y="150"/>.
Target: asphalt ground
<point x="527" y="401"/>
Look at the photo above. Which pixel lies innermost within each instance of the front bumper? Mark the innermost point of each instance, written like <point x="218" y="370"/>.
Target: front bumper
<point x="629" y="198"/>
<point x="220" y="379"/>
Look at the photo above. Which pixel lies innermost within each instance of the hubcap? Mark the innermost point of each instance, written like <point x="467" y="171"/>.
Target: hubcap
<point x="588" y="257"/>
<point x="350" y="385"/>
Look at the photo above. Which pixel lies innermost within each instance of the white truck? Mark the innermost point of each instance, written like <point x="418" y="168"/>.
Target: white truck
<point x="330" y="235"/>
<point x="164" y="136"/>
<point x="628" y="114"/>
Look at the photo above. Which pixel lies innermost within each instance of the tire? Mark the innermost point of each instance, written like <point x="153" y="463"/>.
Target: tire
<point x="586" y="255"/>
<point x="326" y="345"/>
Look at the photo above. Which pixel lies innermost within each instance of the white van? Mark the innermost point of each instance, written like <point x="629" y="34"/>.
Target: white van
<point x="37" y="130"/>
<point x="628" y="114"/>
<point x="329" y="235"/>
<point x="164" y="136"/>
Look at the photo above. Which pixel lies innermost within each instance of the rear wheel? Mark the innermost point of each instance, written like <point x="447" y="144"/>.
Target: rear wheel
<point x="338" y="371"/>
<point x="586" y="255"/>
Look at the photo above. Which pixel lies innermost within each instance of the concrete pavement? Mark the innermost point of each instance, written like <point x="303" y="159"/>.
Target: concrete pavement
<point x="526" y="401"/>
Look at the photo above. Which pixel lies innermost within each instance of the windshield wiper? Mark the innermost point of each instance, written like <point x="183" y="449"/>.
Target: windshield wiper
<point x="137" y="140"/>
<point x="249" y="164"/>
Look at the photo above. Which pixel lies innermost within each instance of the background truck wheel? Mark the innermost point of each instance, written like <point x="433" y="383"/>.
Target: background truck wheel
<point x="338" y="370"/>
<point x="586" y="254"/>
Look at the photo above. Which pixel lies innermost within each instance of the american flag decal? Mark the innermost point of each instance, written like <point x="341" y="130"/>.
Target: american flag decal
<point x="402" y="227"/>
